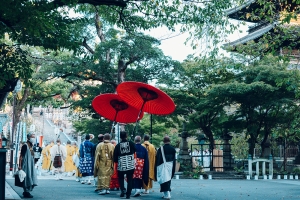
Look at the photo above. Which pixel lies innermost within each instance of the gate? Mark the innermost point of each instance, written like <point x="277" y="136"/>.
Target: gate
<point x="216" y="158"/>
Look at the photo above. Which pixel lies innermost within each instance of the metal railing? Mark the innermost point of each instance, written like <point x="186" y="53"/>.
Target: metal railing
<point x="217" y="158"/>
<point x="291" y="151"/>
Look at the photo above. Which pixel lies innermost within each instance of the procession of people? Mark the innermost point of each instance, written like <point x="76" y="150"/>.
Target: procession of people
<point x="111" y="165"/>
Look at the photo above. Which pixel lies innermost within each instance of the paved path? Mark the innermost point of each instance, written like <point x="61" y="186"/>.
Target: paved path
<point x="48" y="130"/>
<point x="185" y="189"/>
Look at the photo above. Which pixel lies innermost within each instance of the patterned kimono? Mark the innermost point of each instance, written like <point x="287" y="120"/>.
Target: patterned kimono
<point x="86" y="164"/>
<point x="104" y="165"/>
<point x="141" y="171"/>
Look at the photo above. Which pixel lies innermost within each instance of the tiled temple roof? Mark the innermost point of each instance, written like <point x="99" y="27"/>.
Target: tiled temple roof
<point x="252" y="36"/>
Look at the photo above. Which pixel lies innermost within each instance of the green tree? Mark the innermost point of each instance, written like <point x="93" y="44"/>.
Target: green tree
<point x="190" y="93"/>
<point x="262" y="93"/>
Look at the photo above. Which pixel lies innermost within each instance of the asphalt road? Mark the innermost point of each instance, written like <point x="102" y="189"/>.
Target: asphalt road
<point x="186" y="189"/>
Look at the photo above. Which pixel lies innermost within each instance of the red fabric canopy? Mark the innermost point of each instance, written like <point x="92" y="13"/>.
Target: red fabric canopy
<point x="146" y="98"/>
<point x="112" y="107"/>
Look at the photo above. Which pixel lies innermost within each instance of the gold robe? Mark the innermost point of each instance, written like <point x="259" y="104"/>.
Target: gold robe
<point x="104" y="164"/>
<point x="69" y="164"/>
<point x="47" y="157"/>
<point x="151" y="155"/>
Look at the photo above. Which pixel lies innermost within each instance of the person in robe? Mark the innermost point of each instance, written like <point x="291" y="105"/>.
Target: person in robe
<point x="170" y="156"/>
<point x="69" y="164"/>
<point x="100" y="140"/>
<point x="46" y="158"/>
<point x="86" y="164"/>
<point x="78" y="175"/>
<point x="104" y="165"/>
<point x="26" y="163"/>
<point x="141" y="171"/>
<point x="47" y="151"/>
<point x="124" y="156"/>
<point x="151" y="155"/>
<point x="56" y="150"/>
<point x="114" y="182"/>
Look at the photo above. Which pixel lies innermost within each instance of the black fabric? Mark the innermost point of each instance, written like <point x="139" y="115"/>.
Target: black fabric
<point x="37" y="150"/>
<point x="119" y="152"/>
<point x="18" y="183"/>
<point x="129" y="176"/>
<point x="137" y="183"/>
<point x="57" y="161"/>
<point x="170" y="155"/>
<point x="165" y="186"/>
<point x="23" y="150"/>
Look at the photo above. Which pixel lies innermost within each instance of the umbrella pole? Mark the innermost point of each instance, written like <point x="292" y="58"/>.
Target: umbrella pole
<point x="112" y="127"/>
<point x="151" y="127"/>
<point x="137" y="121"/>
<point x="113" y="124"/>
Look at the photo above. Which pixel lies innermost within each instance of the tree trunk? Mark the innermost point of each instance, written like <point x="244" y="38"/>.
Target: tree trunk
<point x="251" y="147"/>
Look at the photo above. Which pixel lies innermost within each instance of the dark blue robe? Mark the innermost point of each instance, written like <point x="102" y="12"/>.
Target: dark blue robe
<point x="86" y="164"/>
<point x="142" y="153"/>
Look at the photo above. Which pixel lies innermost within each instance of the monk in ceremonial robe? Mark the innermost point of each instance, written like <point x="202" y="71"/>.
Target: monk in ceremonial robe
<point x="141" y="171"/>
<point x="170" y="156"/>
<point x="104" y="165"/>
<point x="151" y="155"/>
<point x="49" y="166"/>
<point x="69" y="164"/>
<point x="86" y="163"/>
<point x="58" y="150"/>
<point x="46" y="158"/>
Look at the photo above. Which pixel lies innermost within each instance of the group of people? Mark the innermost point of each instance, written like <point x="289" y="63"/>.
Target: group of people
<point x="108" y="163"/>
<point x="52" y="151"/>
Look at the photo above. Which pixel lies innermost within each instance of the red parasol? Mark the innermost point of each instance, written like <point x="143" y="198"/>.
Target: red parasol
<point x="146" y="98"/>
<point x="112" y="107"/>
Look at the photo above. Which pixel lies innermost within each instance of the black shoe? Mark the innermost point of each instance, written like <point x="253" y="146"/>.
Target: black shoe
<point x="122" y="193"/>
<point x="127" y="197"/>
<point x="27" y="195"/>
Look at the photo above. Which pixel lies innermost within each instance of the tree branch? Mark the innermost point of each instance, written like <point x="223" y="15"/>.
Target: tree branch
<point x="87" y="46"/>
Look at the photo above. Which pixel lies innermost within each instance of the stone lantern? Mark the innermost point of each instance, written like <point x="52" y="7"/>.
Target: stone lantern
<point x="184" y="157"/>
<point x="227" y="156"/>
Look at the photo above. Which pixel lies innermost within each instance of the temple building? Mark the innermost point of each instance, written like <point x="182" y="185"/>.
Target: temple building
<point x="277" y="33"/>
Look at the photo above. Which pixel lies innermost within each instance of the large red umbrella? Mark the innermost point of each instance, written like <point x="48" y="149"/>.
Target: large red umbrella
<point x="146" y="98"/>
<point x="112" y="107"/>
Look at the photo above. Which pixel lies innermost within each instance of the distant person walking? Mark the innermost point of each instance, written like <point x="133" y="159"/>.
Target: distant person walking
<point x="86" y="164"/>
<point x="151" y="155"/>
<point x="124" y="156"/>
<point x="47" y="152"/>
<point x="26" y="163"/>
<point x="69" y="164"/>
<point x="141" y="171"/>
<point x="170" y="156"/>
<point x="46" y="158"/>
<point x="58" y="156"/>
<point x="37" y="152"/>
<point x="76" y="161"/>
<point x="104" y="164"/>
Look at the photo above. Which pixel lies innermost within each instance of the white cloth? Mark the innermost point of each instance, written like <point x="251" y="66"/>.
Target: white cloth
<point x="21" y="175"/>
